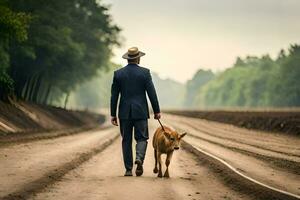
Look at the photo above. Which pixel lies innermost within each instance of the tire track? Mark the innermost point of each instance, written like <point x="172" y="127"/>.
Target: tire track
<point x="236" y="180"/>
<point x="55" y="175"/>
<point x="238" y="141"/>
<point x="23" y="138"/>
<point x="291" y="166"/>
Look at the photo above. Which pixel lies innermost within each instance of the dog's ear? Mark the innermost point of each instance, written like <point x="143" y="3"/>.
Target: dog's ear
<point x="182" y="135"/>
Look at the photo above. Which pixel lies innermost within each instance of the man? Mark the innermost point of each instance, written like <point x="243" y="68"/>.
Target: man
<point x="132" y="82"/>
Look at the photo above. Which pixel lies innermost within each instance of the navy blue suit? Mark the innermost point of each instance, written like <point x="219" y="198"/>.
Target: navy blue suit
<point x="132" y="82"/>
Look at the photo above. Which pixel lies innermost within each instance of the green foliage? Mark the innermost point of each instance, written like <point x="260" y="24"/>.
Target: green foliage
<point x="286" y="84"/>
<point x="255" y="82"/>
<point x="6" y="85"/>
<point x="68" y="43"/>
<point x="13" y="27"/>
<point x="195" y="84"/>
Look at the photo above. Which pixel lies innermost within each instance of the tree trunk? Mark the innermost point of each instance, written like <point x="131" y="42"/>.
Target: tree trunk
<point x="36" y="89"/>
<point x="42" y="92"/>
<point x="31" y="88"/>
<point x="66" y="100"/>
<point x="25" y="89"/>
<point x="46" y="97"/>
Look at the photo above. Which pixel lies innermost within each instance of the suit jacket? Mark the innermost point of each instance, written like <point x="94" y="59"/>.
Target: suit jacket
<point x="132" y="82"/>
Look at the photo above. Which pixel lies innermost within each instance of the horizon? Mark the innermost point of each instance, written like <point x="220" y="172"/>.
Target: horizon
<point x="203" y="34"/>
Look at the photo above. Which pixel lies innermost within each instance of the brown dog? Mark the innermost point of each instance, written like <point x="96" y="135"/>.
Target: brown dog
<point x="165" y="142"/>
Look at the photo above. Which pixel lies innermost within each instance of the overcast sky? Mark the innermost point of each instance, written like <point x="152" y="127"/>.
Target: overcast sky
<point x="181" y="36"/>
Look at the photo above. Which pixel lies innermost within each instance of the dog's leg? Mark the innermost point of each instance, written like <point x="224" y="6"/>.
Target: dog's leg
<point x="155" y="170"/>
<point x="168" y="161"/>
<point x="159" y="164"/>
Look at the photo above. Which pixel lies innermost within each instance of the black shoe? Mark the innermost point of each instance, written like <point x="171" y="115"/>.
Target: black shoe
<point x="139" y="168"/>
<point x="128" y="173"/>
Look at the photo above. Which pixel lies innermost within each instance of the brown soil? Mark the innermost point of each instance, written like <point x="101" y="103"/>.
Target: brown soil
<point x="274" y="121"/>
<point x="273" y="159"/>
<point x="27" y="169"/>
<point x="21" y="117"/>
<point x="234" y="180"/>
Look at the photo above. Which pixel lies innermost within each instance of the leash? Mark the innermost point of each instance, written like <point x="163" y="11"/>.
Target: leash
<point x="161" y="125"/>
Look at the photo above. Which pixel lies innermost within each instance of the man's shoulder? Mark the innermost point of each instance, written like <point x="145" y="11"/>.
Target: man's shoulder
<point x="139" y="68"/>
<point x="118" y="71"/>
<point x="144" y="69"/>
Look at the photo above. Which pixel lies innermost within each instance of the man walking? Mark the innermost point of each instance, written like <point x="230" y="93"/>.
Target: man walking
<point x="132" y="82"/>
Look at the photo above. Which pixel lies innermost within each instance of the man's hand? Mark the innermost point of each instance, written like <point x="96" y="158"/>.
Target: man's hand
<point x="157" y="115"/>
<point x="114" y="121"/>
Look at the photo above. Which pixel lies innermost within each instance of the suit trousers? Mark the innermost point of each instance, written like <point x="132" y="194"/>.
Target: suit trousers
<point x="141" y="135"/>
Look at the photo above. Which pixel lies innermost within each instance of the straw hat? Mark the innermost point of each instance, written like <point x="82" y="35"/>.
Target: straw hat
<point x="133" y="53"/>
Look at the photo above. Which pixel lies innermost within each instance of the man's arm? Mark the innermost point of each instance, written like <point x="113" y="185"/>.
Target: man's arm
<point x="152" y="94"/>
<point x="115" y="90"/>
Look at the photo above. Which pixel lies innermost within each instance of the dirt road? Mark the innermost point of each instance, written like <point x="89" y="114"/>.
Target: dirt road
<point x="89" y="165"/>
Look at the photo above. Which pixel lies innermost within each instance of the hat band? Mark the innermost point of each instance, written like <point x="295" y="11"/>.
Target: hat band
<point x="133" y="55"/>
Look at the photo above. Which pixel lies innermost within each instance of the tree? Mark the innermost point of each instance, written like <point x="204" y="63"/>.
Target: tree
<point x="13" y="27"/>
<point x="287" y="87"/>
<point x="239" y="62"/>
<point x="194" y="85"/>
<point x="68" y="42"/>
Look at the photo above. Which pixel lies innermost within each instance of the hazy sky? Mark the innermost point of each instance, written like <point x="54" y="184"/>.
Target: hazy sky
<point x="181" y="36"/>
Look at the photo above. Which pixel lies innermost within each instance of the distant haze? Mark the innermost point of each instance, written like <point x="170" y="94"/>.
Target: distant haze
<point x="181" y="36"/>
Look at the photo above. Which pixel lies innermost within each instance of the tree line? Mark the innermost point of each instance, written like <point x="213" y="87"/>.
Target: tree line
<point x="250" y="82"/>
<point x="47" y="48"/>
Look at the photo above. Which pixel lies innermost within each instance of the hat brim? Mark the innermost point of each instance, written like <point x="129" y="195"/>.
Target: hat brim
<point x="127" y="57"/>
